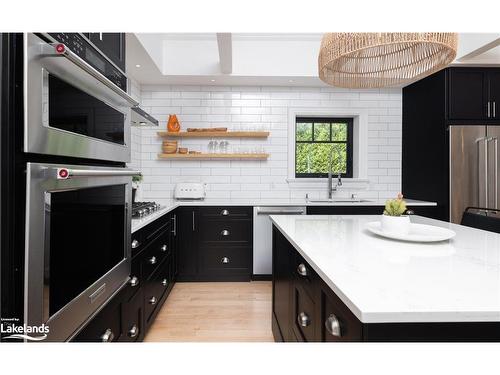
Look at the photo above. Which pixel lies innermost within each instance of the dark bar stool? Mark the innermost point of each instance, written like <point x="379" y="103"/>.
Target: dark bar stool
<point x="482" y="218"/>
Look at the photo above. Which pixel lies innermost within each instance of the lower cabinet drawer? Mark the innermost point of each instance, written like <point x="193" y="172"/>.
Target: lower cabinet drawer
<point x="155" y="288"/>
<point x="304" y="315"/>
<point x="132" y="318"/>
<point x="225" y="260"/>
<point x="226" y="231"/>
<point x="338" y="323"/>
<point x="154" y="256"/>
<point x="105" y="326"/>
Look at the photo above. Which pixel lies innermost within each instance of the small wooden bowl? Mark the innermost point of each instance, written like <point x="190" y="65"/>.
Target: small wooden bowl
<point x="183" y="150"/>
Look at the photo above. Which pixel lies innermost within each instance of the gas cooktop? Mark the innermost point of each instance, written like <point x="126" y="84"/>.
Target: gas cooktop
<point x="141" y="209"/>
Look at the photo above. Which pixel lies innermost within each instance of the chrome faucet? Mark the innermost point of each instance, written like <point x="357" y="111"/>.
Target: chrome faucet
<point x="332" y="188"/>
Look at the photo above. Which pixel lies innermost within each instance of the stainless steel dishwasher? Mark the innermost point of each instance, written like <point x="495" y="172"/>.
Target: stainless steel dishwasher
<point x="263" y="235"/>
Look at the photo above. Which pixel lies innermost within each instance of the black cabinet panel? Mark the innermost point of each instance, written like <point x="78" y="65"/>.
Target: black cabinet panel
<point x="188" y="242"/>
<point x="215" y="243"/>
<point x="132" y="318"/>
<point x="304" y="316"/>
<point x="494" y="93"/>
<point x="468" y="94"/>
<point x="283" y="261"/>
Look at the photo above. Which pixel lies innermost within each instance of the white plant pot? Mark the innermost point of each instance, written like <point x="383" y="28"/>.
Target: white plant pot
<point x="396" y="224"/>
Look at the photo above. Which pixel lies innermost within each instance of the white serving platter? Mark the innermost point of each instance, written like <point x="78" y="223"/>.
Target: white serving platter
<point x="418" y="233"/>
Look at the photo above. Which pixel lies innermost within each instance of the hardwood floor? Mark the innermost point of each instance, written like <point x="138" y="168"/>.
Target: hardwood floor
<point x="218" y="311"/>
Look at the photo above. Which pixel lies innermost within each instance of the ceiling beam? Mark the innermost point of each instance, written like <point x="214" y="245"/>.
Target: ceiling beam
<point x="473" y="45"/>
<point x="224" y="42"/>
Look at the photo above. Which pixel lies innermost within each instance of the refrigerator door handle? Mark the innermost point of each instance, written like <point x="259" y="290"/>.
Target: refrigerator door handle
<point x="495" y="145"/>
<point x="478" y="142"/>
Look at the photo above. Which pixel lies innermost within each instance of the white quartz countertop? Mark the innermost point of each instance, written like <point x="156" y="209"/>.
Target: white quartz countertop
<point x="173" y="204"/>
<point x="383" y="280"/>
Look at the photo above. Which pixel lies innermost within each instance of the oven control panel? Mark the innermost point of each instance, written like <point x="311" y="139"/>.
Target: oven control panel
<point x="81" y="46"/>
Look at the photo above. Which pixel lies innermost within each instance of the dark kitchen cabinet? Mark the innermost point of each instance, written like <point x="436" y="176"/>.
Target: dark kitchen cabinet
<point x="215" y="243"/>
<point x="494" y="92"/>
<point x="468" y="94"/>
<point x="453" y="96"/>
<point x="283" y="255"/>
<point x="306" y="309"/>
<point x="473" y="94"/>
<point x="188" y="243"/>
<point x="112" y="45"/>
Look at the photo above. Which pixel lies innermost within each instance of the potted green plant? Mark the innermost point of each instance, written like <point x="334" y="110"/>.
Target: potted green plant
<point x="136" y="180"/>
<point x="394" y="219"/>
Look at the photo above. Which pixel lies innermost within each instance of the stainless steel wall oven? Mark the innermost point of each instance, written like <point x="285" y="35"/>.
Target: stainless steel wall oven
<point x="77" y="237"/>
<point x="71" y="108"/>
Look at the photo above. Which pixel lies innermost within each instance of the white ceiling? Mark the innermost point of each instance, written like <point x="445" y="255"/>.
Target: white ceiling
<point x="287" y="59"/>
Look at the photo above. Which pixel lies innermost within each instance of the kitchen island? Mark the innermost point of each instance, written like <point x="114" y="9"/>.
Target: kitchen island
<point x="335" y="281"/>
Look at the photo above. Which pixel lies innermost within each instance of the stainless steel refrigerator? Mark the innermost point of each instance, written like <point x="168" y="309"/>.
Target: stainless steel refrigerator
<point x="474" y="169"/>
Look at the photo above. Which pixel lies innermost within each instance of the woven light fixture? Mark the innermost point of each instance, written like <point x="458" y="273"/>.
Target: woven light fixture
<point x="371" y="60"/>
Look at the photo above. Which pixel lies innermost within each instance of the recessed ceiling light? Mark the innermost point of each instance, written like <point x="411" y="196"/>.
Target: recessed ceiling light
<point x="290" y="80"/>
<point x="137" y="65"/>
<point x="212" y="80"/>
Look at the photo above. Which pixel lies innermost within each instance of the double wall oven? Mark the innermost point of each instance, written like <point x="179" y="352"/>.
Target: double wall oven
<point x="78" y="190"/>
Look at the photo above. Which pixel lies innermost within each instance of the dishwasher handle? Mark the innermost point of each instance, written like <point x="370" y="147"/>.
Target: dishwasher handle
<point x="261" y="211"/>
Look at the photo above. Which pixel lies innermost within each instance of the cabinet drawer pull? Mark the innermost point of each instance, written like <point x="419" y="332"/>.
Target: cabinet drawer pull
<point x="224" y="260"/>
<point x="224" y="213"/>
<point x="107" y="336"/>
<point x="164" y="282"/>
<point x="152" y="260"/>
<point x="134" y="281"/>
<point x="164" y="248"/>
<point x="153" y="300"/>
<point x="332" y="325"/>
<point x="135" y="244"/>
<point x="303" y="319"/>
<point x="133" y="331"/>
<point x="225" y="232"/>
<point x="302" y="269"/>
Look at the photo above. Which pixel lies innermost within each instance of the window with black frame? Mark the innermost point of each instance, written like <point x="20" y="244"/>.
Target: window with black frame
<point x="320" y="141"/>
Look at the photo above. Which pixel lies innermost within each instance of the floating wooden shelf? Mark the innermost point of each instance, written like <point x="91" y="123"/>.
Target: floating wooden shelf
<point x="230" y="134"/>
<point x="213" y="156"/>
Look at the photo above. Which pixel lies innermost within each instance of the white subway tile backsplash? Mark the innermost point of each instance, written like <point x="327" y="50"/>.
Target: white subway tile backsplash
<point x="260" y="108"/>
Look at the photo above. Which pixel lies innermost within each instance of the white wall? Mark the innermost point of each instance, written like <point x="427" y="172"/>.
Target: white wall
<point x="266" y="181"/>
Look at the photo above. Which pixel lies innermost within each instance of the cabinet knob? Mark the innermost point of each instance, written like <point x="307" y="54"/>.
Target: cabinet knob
<point x="303" y="319"/>
<point x="133" y="331"/>
<point x="225" y="232"/>
<point x="224" y="260"/>
<point x="135" y="244"/>
<point x="107" y="336"/>
<point x="134" y="281"/>
<point x="164" y="248"/>
<point x="332" y="325"/>
<point x="164" y="282"/>
<point x="152" y="260"/>
<point x="153" y="300"/>
<point x="224" y="213"/>
<point x="302" y="269"/>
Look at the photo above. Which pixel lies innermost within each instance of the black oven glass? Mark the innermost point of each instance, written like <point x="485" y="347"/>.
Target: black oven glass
<point x="85" y="239"/>
<point x="75" y="111"/>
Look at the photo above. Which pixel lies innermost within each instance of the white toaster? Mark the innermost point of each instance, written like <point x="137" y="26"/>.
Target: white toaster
<point x="189" y="191"/>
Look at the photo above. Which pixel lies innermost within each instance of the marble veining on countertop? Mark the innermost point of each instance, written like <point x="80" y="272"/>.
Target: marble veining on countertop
<point x="383" y="280"/>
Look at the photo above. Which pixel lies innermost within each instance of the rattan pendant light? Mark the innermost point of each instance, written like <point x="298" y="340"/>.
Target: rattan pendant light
<point x="371" y="60"/>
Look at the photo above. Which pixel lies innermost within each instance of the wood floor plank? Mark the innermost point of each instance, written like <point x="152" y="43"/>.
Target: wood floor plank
<point x="215" y="312"/>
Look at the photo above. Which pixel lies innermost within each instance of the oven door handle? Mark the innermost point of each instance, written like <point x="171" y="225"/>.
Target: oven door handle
<point x="66" y="173"/>
<point x="60" y="49"/>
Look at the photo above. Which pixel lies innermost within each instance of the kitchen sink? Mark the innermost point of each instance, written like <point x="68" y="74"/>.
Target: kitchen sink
<point x="338" y="200"/>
